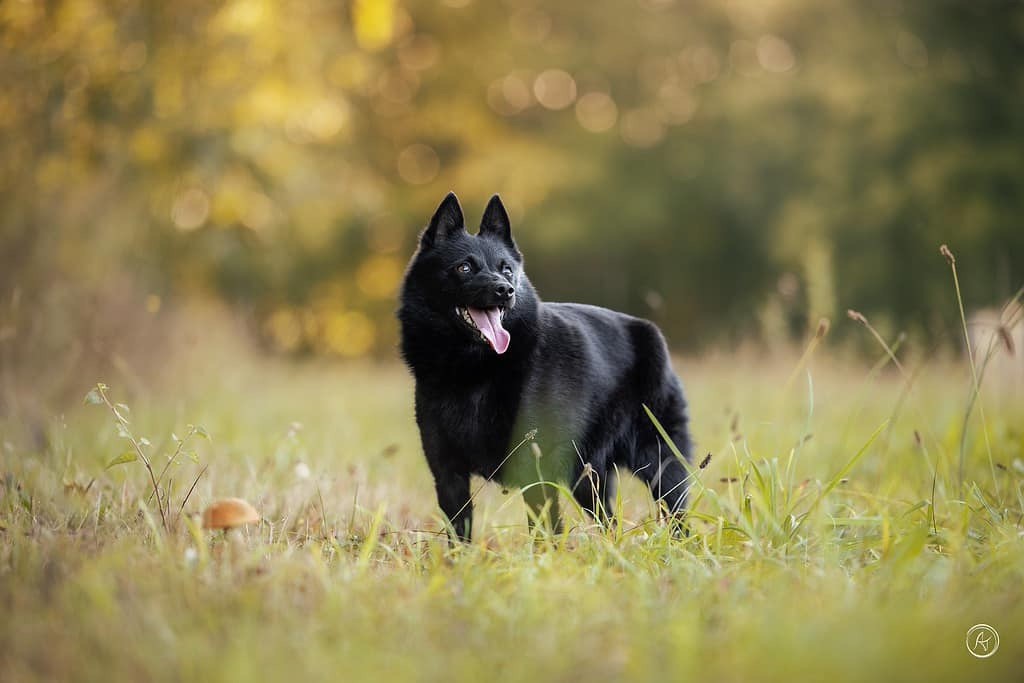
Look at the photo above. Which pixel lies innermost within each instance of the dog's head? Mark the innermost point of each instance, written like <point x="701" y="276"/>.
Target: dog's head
<point x="473" y="284"/>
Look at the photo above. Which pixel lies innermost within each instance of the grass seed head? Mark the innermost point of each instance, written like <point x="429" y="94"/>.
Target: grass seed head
<point x="823" y="326"/>
<point x="950" y="259"/>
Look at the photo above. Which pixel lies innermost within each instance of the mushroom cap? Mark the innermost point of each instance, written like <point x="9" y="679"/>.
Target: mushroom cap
<point x="228" y="513"/>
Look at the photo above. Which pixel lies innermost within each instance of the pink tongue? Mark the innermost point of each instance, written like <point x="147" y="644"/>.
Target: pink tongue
<point x="489" y="322"/>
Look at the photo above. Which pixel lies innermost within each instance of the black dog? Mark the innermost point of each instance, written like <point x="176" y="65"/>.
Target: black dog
<point x="494" y="366"/>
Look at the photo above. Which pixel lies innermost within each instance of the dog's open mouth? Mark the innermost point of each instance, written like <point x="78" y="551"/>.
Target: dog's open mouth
<point x="487" y="323"/>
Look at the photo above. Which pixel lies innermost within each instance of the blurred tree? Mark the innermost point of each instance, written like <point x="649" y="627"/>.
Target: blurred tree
<point x="700" y="162"/>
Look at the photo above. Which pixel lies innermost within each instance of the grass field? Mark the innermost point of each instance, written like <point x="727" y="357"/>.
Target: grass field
<point x="834" y="537"/>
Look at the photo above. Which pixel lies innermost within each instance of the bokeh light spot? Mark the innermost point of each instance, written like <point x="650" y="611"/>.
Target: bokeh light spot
<point x="702" y="62"/>
<point x="241" y="16"/>
<point x="374" y="23"/>
<point x="418" y="164"/>
<point x="642" y="128"/>
<point x="396" y="87"/>
<point x="419" y="52"/>
<point x="554" y="89"/>
<point x="775" y="54"/>
<point x="326" y="119"/>
<point x="596" y="112"/>
<point x="676" y="103"/>
<point x="509" y="95"/>
<point x="190" y="209"/>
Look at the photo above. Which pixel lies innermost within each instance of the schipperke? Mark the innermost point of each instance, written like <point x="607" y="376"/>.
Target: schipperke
<point x="559" y="386"/>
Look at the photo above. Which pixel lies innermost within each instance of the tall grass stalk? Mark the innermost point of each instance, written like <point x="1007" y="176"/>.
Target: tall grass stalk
<point x="976" y="387"/>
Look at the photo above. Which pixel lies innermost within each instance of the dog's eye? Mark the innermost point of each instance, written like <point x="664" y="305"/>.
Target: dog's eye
<point x="464" y="268"/>
<point x="506" y="270"/>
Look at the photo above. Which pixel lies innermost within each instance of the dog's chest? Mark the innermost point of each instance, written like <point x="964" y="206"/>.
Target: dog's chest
<point x="478" y="420"/>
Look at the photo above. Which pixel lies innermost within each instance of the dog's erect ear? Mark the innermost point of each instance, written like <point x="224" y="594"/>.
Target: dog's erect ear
<point x="446" y="222"/>
<point x="495" y="223"/>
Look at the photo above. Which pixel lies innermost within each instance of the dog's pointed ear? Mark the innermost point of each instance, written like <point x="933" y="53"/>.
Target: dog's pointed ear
<point x="446" y="222"/>
<point x="495" y="223"/>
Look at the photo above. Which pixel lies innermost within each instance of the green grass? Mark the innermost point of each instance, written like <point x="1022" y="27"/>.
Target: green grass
<point x="832" y="539"/>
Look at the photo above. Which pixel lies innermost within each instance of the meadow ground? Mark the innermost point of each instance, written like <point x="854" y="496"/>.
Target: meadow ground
<point x="835" y="536"/>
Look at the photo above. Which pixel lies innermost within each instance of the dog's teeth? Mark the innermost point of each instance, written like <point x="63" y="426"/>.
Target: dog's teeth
<point x="464" y="314"/>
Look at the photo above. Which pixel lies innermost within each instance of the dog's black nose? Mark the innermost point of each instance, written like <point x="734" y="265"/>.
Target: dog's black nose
<point x="504" y="291"/>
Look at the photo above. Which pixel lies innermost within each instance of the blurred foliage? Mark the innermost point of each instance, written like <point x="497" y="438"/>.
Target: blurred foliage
<point x="727" y="168"/>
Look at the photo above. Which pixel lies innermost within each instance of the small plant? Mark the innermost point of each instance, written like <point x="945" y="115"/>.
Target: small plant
<point x="137" y="452"/>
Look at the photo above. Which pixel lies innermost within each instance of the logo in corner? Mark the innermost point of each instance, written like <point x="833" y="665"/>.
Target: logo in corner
<point x="982" y="641"/>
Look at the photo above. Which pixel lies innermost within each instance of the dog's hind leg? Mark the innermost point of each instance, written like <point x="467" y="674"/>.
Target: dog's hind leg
<point x="654" y="461"/>
<point x="667" y="476"/>
<point x="669" y="483"/>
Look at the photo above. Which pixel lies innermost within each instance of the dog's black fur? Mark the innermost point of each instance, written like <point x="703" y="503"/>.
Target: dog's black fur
<point x="579" y="375"/>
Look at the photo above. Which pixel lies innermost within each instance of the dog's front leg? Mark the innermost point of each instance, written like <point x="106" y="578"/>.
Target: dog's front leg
<point x="451" y="478"/>
<point x="453" y="497"/>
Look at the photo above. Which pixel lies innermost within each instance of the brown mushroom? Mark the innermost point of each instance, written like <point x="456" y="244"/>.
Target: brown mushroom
<point x="229" y="513"/>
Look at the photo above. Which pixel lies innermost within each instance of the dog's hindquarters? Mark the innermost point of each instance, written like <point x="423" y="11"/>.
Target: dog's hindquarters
<point x="655" y="461"/>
